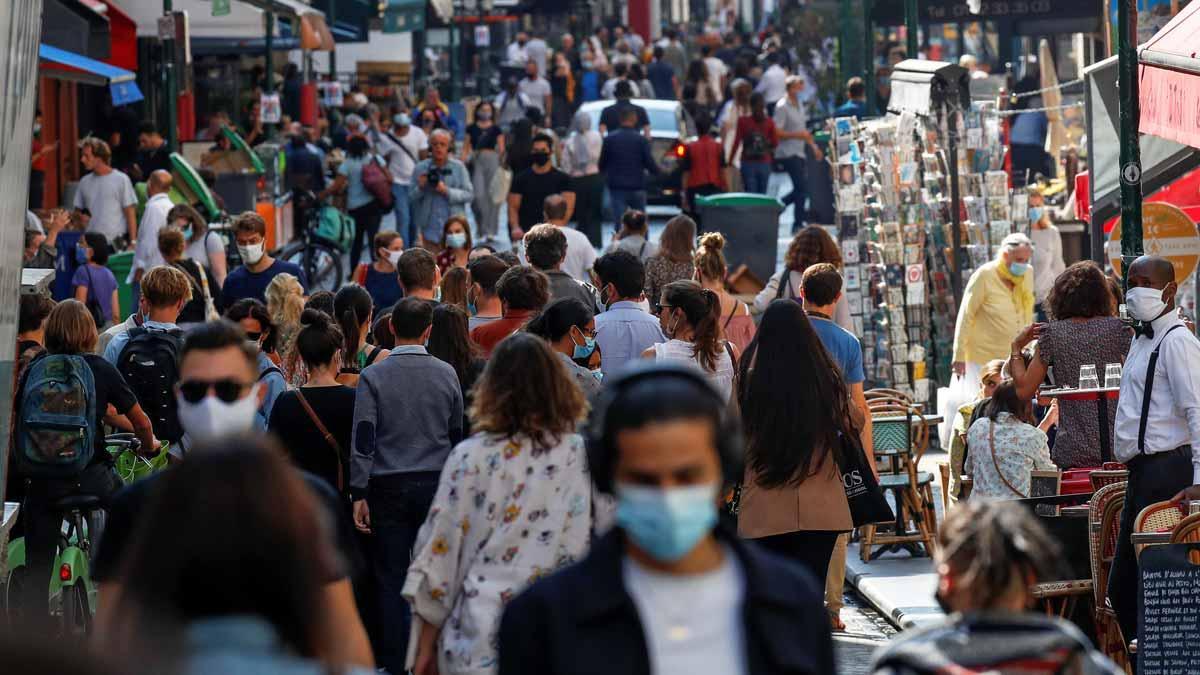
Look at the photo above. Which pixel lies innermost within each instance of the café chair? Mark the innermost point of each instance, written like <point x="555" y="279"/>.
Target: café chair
<point x="1104" y="522"/>
<point x="944" y="474"/>
<point x="900" y="438"/>
<point x="885" y="393"/>
<point x="1187" y="531"/>
<point x="1158" y="517"/>
<point x="1102" y="477"/>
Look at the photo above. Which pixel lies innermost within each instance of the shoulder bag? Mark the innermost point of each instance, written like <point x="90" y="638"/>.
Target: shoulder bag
<point x="324" y="431"/>
<point x="501" y="182"/>
<point x="992" y="445"/>
<point x="866" y="500"/>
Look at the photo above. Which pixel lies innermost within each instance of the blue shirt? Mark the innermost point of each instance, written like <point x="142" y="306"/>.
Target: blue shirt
<point x="242" y="283"/>
<point x="623" y="333"/>
<point x="661" y="75"/>
<point x="1029" y="128"/>
<point x="383" y="287"/>
<point x="100" y="283"/>
<point x="843" y="347"/>
<point x="244" y="645"/>
<point x="275" y="385"/>
<point x="851" y="108"/>
<point x="113" y="351"/>
<point x="357" y="195"/>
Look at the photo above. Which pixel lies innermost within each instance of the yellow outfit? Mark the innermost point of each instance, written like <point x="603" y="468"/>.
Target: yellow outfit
<point x="992" y="314"/>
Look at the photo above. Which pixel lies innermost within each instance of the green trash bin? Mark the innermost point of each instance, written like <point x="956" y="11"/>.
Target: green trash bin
<point x="750" y="223"/>
<point x="120" y="264"/>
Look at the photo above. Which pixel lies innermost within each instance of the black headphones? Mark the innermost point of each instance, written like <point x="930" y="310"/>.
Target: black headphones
<point x="601" y="445"/>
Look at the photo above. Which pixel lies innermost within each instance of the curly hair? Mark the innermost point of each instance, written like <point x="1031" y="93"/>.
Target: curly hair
<point x="1081" y="291"/>
<point x="810" y="246"/>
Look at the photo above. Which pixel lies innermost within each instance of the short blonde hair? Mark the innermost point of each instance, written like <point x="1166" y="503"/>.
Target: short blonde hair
<point x="70" y="329"/>
<point x="285" y="300"/>
<point x="164" y="286"/>
<point x="99" y="148"/>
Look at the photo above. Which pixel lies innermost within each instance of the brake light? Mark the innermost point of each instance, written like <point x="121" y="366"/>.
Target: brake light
<point x="64" y="572"/>
<point x="261" y="184"/>
<point x="680" y="150"/>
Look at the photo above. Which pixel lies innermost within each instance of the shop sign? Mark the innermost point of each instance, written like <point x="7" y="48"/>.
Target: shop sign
<point x="1167" y="232"/>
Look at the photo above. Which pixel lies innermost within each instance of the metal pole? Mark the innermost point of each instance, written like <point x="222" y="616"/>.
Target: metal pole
<point x="332" y="14"/>
<point x="956" y="281"/>
<point x="269" y="85"/>
<point x="910" y="28"/>
<point x="1131" y="153"/>
<point x="868" y="6"/>
<point x="168" y="46"/>
<point x="846" y="41"/>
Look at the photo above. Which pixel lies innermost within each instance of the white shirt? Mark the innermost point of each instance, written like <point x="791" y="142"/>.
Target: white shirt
<point x="609" y="89"/>
<point x="678" y="350"/>
<point x="716" y="70"/>
<point x="581" y="255"/>
<point x="516" y="54"/>
<point x="1174" y="416"/>
<point x="693" y="623"/>
<point x="1047" y="259"/>
<point x="772" y="84"/>
<point x="106" y="197"/>
<point x="400" y="164"/>
<point x="536" y="91"/>
<point x="154" y="218"/>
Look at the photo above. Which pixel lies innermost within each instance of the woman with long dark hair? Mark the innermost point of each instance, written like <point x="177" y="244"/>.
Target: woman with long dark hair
<point x="519" y="142"/>
<point x="690" y="317"/>
<point x="795" y="410"/>
<point x="524" y="464"/>
<point x="1006" y="447"/>
<point x="697" y="78"/>
<point x="450" y="341"/>
<point x="569" y="327"/>
<point x="353" y="309"/>
<point x="361" y="205"/>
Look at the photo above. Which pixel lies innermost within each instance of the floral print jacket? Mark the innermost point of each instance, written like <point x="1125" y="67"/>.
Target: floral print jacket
<point x="507" y="512"/>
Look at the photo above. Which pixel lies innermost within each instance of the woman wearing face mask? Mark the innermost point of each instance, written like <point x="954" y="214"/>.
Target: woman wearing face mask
<point x="353" y="311"/>
<point x="94" y="284"/>
<point x="1047" y="249"/>
<point x="379" y="277"/>
<point x="456" y="238"/>
<point x="989" y="379"/>
<point x="255" y="320"/>
<point x="570" y="329"/>
<point x="690" y="315"/>
<point x="483" y="145"/>
<point x="1084" y="329"/>
<point x="450" y="341"/>
<point x="203" y="246"/>
<point x="313" y="421"/>
<point x="997" y="303"/>
<point x="513" y="505"/>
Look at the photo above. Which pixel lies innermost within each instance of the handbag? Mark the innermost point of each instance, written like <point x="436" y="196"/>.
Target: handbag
<point x="378" y="182"/>
<point x="337" y="449"/>
<point x="500" y="185"/>
<point x="868" y="505"/>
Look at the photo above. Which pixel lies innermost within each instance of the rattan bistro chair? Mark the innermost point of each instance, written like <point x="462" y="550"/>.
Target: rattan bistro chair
<point x="1158" y="517"/>
<point x="900" y="438"/>
<point x="1104" y="519"/>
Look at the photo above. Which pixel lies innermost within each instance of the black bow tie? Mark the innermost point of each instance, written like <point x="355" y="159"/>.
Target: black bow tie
<point x="1143" y="329"/>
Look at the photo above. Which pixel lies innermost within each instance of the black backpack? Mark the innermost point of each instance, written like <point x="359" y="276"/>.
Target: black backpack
<point x="150" y="365"/>
<point x="756" y="144"/>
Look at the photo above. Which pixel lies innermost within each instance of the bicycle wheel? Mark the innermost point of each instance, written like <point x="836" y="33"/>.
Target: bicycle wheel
<point x="76" y="611"/>
<point x="14" y="587"/>
<point x="323" y="266"/>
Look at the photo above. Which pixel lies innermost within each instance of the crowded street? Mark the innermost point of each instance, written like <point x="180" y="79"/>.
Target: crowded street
<point x="582" y="337"/>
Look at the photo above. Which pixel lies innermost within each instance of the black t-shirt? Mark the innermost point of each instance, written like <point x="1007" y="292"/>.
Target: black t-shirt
<point x="110" y="388"/>
<point x="483" y="139"/>
<point x="305" y="444"/>
<point x="534" y="188"/>
<point x="131" y="502"/>
<point x="610" y="117"/>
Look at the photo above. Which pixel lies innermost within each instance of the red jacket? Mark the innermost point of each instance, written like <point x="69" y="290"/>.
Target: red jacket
<point x="703" y="160"/>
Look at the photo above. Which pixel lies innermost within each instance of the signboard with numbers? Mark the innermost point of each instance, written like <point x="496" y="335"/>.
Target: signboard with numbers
<point x="1166" y="231"/>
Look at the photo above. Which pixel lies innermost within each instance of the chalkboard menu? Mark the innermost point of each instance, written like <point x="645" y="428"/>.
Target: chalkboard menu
<point x="1170" y="619"/>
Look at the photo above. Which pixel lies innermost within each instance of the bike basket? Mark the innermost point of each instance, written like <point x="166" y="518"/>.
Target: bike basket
<point x="132" y="467"/>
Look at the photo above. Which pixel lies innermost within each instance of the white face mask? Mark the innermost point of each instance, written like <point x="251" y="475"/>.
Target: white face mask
<point x="1145" y="304"/>
<point x="394" y="257"/>
<point x="251" y="254"/>
<point x="212" y="417"/>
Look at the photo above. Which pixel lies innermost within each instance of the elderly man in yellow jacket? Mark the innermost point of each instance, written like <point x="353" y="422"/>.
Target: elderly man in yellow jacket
<point x="996" y="305"/>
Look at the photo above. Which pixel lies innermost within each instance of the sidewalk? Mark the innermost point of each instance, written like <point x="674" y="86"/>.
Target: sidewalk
<point x="897" y="586"/>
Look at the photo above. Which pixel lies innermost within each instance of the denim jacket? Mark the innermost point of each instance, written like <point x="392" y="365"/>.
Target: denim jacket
<point x="460" y="193"/>
<point x="245" y="645"/>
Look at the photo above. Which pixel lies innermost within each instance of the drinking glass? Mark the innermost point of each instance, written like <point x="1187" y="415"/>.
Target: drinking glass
<point x="1112" y="375"/>
<point x="1087" y="377"/>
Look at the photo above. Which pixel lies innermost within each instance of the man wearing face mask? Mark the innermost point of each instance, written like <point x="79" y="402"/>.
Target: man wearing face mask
<point x="997" y="303"/>
<point x="217" y="395"/>
<point x="624" y="330"/>
<point x="482" y="301"/>
<point x="1047" y="253"/>
<point x="668" y="590"/>
<point x="531" y="187"/>
<point x="258" y="268"/>
<point x="1157" y="429"/>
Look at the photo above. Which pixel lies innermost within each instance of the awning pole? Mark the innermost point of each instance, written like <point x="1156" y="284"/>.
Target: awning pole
<point x="269" y="86"/>
<point x="1131" y="153"/>
<point x="172" y="93"/>
<point x="911" y="28"/>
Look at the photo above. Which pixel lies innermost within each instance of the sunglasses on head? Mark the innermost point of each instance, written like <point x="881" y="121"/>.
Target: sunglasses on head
<point x="227" y="390"/>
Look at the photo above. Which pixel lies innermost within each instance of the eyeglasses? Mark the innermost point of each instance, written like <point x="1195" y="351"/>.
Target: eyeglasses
<point x="227" y="390"/>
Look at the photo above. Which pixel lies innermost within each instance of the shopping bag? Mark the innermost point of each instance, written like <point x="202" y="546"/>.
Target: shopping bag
<point x="868" y="505"/>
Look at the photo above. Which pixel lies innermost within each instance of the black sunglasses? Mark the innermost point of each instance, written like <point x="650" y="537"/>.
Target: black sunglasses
<point x="227" y="390"/>
<point x="253" y="336"/>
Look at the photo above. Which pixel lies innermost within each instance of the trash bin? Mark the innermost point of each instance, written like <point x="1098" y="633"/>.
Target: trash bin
<point x="750" y="223"/>
<point x="120" y="264"/>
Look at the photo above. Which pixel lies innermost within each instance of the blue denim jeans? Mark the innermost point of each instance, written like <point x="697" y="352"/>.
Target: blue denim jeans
<point x="755" y="176"/>
<point x="404" y="221"/>
<point x="398" y="504"/>
<point x="796" y="170"/>
<point x="623" y="200"/>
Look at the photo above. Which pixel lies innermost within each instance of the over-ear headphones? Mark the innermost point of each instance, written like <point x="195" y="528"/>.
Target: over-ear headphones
<point x="601" y="442"/>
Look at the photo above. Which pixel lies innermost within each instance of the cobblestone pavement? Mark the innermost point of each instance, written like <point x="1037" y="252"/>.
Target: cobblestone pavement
<point x="866" y="631"/>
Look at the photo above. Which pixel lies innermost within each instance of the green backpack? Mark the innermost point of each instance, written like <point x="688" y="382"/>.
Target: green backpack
<point x="336" y="227"/>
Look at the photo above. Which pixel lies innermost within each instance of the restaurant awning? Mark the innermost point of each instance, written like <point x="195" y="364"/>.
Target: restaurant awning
<point x="244" y="20"/>
<point x="121" y="83"/>
<point x="1169" y="78"/>
<point x="920" y="86"/>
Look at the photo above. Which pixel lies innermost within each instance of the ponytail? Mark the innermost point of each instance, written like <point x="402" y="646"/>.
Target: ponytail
<point x="352" y="306"/>
<point x="702" y="309"/>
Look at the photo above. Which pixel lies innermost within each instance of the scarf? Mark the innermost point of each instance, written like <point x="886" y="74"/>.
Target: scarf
<point x="1022" y="285"/>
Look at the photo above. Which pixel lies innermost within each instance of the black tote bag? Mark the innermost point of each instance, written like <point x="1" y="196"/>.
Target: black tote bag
<point x="867" y="502"/>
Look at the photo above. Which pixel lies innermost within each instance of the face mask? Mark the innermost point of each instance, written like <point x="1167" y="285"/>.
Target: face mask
<point x="604" y="297"/>
<point x="187" y="232"/>
<point x="540" y="158"/>
<point x="584" y="351"/>
<point x="666" y="523"/>
<point x="1144" y="304"/>
<point x="472" y="310"/>
<point x="212" y="417"/>
<point x="1018" y="269"/>
<point x="1035" y="214"/>
<point x="37" y="128"/>
<point x="598" y="374"/>
<point x="81" y="255"/>
<point x="456" y="239"/>
<point x="394" y="257"/>
<point x="484" y="115"/>
<point x="251" y="254"/>
<point x="587" y="65"/>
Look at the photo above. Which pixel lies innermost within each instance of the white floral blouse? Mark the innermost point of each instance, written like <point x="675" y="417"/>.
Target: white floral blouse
<point x="506" y="514"/>
<point x="1020" y="449"/>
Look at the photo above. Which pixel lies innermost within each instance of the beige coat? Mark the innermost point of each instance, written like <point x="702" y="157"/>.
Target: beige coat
<point x="816" y="504"/>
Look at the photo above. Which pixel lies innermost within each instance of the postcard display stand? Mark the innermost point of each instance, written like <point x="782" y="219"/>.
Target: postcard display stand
<point x="895" y="235"/>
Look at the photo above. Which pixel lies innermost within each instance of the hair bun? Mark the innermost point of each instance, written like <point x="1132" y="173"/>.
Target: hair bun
<point x="713" y="240"/>
<point x="315" y="318"/>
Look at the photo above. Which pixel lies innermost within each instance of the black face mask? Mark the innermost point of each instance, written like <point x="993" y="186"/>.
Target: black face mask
<point x="539" y="158"/>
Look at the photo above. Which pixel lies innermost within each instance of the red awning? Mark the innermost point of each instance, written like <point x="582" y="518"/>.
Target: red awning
<point x="1169" y="80"/>
<point x="123" y="34"/>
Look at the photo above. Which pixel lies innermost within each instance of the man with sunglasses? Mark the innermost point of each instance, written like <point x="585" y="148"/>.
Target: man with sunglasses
<point x="218" y="394"/>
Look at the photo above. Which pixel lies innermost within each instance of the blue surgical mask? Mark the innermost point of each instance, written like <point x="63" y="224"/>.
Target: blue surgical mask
<point x="667" y="523"/>
<point x="598" y="374"/>
<point x="456" y="240"/>
<point x="1018" y="269"/>
<point x="584" y="350"/>
<point x="187" y="232"/>
<point x="1035" y="214"/>
<point x="81" y="255"/>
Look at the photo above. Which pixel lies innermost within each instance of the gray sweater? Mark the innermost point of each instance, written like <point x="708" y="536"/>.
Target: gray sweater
<point x="408" y="415"/>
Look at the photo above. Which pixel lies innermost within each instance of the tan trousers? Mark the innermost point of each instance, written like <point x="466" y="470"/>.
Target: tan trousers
<point x="836" y="578"/>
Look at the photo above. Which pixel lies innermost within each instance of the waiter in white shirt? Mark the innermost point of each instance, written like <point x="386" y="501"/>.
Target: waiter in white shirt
<point x="1158" y="418"/>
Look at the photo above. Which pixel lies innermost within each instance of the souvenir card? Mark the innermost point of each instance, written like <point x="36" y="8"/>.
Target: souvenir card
<point x="1000" y="229"/>
<point x="918" y="370"/>
<point x="851" y="277"/>
<point x="895" y="296"/>
<point x="850" y="198"/>
<point x="908" y="174"/>
<point x="912" y="254"/>
<point x="921" y="389"/>
<point x="998" y="208"/>
<point x="900" y="374"/>
<point x="899" y="353"/>
<point x="974" y="138"/>
<point x="844" y="126"/>
<point x="973" y="185"/>
<point x="997" y="184"/>
<point x="848" y="224"/>
<point x="850" y="251"/>
<point x="847" y="174"/>
<point x="854" y="302"/>
<point x="858" y="326"/>
<point x="1020" y="206"/>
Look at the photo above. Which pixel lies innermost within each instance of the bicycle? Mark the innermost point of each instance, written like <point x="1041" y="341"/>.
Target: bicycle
<point x="321" y="242"/>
